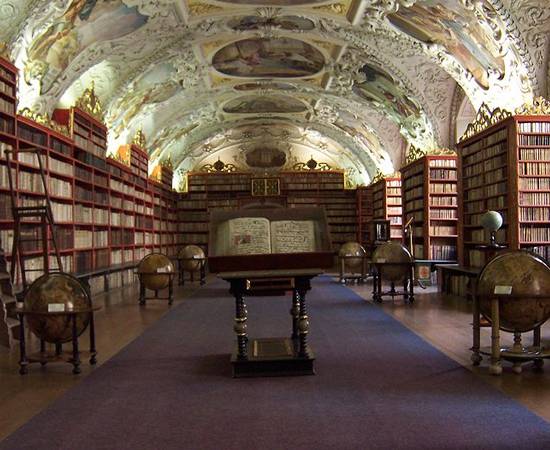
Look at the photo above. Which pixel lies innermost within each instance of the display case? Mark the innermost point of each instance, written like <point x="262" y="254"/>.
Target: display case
<point x="229" y="247"/>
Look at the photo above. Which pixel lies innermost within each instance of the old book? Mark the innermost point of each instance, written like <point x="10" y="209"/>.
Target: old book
<point x="257" y="235"/>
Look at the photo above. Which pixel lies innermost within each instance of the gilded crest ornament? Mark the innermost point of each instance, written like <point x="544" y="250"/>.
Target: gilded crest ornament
<point x="413" y="154"/>
<point x="484" y="119"/>
<point x="44" y="120"/>
<point x="312" y="165"/>
<point x="4" y="51"/>
<point x="381" y="176"/>
<point x="89" y="102"/>
<point x="539" y="107"/>
<point x="139" y="139"/>
<point x="167" y="163"/>
<point x="218" y="166"/>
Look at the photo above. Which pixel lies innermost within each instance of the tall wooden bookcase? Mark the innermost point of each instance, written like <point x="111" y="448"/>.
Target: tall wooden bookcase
<point x="430" y="199"/>
<point x="386" y="194"/>
<point x="364" y="216"/>
<point x="506" y="167"/>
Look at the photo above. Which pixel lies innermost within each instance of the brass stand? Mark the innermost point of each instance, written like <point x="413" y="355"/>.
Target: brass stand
<point x="357" y="278"/>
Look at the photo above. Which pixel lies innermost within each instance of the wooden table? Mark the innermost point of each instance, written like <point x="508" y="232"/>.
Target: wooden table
<point x="272" y="356"/>
<point x="43" y="357"/>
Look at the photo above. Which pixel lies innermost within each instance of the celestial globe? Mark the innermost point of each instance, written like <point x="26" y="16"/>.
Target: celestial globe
<point x="491" y="221"/>
<point x="155" y="271"/>
<point x="393" y="252"/>
<point x="354" y="253"/>
<point x="191" y="256"/>
<point x="58" y="288"/>
<point x="522" y="275"/>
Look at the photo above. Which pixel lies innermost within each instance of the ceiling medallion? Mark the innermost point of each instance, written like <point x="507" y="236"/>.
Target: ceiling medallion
<point x="89" y="102"/>
<point x="484" y="119"/>
<point x="539" y="107"/>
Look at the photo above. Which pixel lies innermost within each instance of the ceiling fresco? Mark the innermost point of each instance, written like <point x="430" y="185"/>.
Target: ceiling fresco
<point x="357" y="81"/>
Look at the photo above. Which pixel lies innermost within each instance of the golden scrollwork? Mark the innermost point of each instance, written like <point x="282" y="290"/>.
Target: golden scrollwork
<point x="413" y="154"/>
<point x="44" y="120"/>
<point x="200" y="8"/>
<point x="218" y="166"/>
<point x="139" y="139"/>
<point x="4" y="51"/>
<point x="484" y="119"/>
<point x="334" y="8"/>
<point x="312" y="165"/>
<point x="381" y="176"/>
<point x="167" y="163"/>
<point x="539" y="107"/>
<point x="89" y="102"/>
<point x="442" y="152"/>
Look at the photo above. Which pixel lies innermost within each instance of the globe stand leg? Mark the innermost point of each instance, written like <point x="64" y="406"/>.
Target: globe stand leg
<point x="342" y="269"/>
<point x="141" y="292"/>
<point x="76" y="353"/>
<point x="476" y="327"/>
<point x="495" y="368"/>
<point x="23" y="362"/>
<point x="171" y="291"/>
<point x="202" y="273"/>
<point x="93" y="352"/>
<point x="43" y="352"/>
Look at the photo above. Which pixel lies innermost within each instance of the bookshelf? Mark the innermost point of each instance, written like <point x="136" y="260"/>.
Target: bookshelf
<point x="386" y="197"/>
<point x="430" y="198"/>
<point x="226" y="191"/>
<point x="506" y="167"/>
<point x="365" y="216"/>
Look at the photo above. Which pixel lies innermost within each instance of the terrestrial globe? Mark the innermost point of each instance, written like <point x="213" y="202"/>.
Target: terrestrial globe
<point x="60" y="288"/>
<point x="354" y="253"/>
<point x="395" y="253"/>
<point x="491" y="221"/>
<point x="526" y="275"/>
<point x="190" y="257"/>
<point x="155" y="271"/>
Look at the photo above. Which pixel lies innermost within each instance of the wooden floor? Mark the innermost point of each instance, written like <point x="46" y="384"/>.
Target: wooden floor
<point x="445" y="322"/>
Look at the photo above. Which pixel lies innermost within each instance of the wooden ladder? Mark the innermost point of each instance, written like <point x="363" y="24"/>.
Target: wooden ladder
<point x="41" y="220"/>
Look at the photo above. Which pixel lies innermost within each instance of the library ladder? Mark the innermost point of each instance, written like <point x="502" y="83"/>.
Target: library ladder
<point x="39" y="216"/>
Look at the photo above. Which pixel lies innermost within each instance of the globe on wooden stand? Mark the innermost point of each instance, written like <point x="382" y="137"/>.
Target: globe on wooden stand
<point x="513" y="293"/>
<point x="352" y="257"/>
<point x="59" y="289"/>
<point x="57" y="309"/>
<point x="192" y="259"/>
<point x="393" y="262"/>
<point x="156" y="272"/>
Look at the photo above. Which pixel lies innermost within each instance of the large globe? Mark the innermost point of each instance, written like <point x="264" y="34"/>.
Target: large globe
<point x="354" y="254"/>
<point x="491" y="220"/>
<point x="60" y="288"/>
<point x="395" y="253"/>
<point x="524" y="275"/>
<point x="190" y="257"/>
<point x="154" y="271"/>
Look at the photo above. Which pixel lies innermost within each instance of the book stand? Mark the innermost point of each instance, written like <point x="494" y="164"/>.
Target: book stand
<point x="272" y="356"/>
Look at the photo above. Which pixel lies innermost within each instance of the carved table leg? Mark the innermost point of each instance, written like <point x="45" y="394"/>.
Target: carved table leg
<point x="495" y="368"/>
<point x="240" y="319"/>
<point x="93" y="352"/>
<point x="374" y="284"/>
<point x="203" y="273"/>
<point x="303" y="325"/>
<point x="23" y="362"/>
<point x="411" y="286"/>
<point x="295" y="312"/>
<point x="379" y="286"/>
<point x="476" y="357"/>
<point x="76" y="353"/>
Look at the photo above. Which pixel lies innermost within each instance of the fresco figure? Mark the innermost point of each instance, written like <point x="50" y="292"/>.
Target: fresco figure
<point x="84" y="22"/>
<point x="458" y="30"/>
<point x="256" y="105"/>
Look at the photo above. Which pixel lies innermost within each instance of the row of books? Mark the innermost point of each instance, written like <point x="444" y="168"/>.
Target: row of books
<point x="443" y="188"/>
<point x="486" y="153"/>
<point x="450" y="162"/>
<point x="535" y="233"/>
<point x="534" y="168"/>
<point x="90" y="146"/>
<point x="414" y="193"/>
<point x="6" y="106"/>
<point x="32" y="135"/>
<point x="440" y="251"/>
<point x="443" y="230"/>
<point x="534" y="183"/>
<point x="534" y="198"/>
<point x="534" y="127"/>
<point x="7" y="74"/>
<point x="535" y="214"/>
<point x="443" y="213"/>
<point x="58" y="166"/>
<point x="416" y="180"/>
<point x="495" y="203"/>
<point x="83" y="238"/>
<point x="7" y="125"/>
<point x="442" y="174"/>
<point x="534" y="140"/>
<point x="535" y="154"/>
<point x="62" y="212"/>
<point x="414" y="205"/>
<point x="541" y="250"/>
<point x="487" y="141"/>
<point x="443" y="200"/>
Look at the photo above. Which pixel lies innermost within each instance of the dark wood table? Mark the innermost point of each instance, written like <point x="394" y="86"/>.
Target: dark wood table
<point x="43" y="357"/>
<point x="272" y="356"/>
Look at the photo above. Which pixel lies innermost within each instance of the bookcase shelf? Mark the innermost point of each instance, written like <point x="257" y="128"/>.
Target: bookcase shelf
<point x="506" y="168"/>
<point x="430" y="199"/>
<point x="386" y="198"/>
<point x="365" y="216"/>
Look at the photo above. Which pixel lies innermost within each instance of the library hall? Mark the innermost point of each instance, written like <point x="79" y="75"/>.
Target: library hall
<point x="274" y="224"/>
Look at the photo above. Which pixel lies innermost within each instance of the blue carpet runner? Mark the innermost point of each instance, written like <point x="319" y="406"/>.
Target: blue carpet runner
<point x="378" y="385"/>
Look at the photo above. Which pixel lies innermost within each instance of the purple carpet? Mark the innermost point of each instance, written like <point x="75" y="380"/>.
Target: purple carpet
<point x="378" y="385"/>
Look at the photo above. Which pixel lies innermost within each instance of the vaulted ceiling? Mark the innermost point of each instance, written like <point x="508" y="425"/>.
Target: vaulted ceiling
<point x="353" y="83"/>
